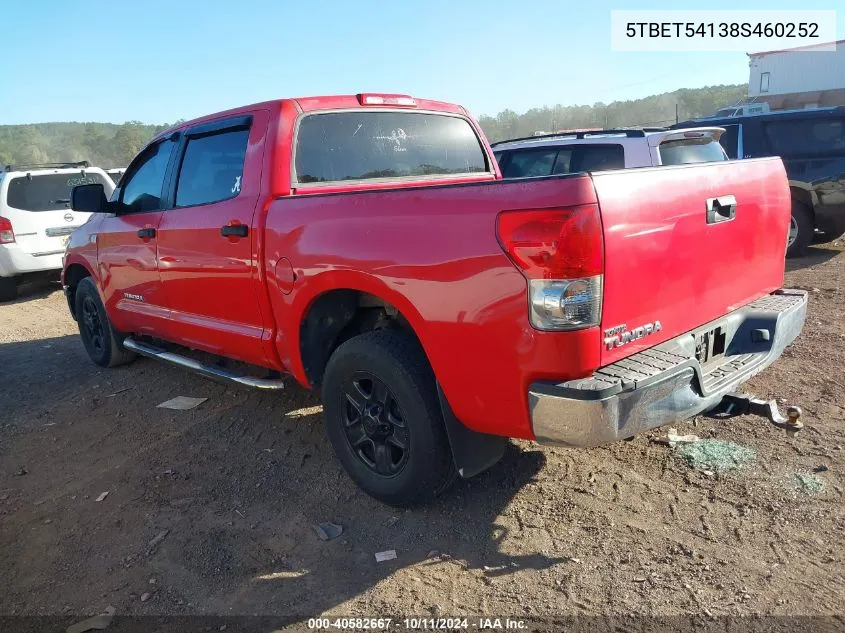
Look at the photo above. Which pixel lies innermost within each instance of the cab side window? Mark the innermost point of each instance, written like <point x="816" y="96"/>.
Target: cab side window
<point x="143" y="183"/>
<point x="212" y="168"/>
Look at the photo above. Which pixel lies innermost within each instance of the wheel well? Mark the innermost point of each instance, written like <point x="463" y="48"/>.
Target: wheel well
<point x="73" y="275"/>
<point x="803" y="196"/>
<point x="337" y="316"/>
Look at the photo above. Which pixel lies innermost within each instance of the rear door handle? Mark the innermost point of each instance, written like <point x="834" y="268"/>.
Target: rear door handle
<point x="721" y="209"/>
<point x="234" y="230"/>
<point x="146" y="233"/>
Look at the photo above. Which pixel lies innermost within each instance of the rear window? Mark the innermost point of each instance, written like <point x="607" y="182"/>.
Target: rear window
<point x="48" y="192"/>
<point x="806" y="136"/>
<point x="360" y="145"/>
<point x="690" y="150"/>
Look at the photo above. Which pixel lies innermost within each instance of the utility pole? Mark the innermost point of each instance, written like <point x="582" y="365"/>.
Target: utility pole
<point x="676" y="112"/>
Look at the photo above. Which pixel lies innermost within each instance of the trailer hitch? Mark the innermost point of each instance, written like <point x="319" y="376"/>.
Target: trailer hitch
<point x="742" y="404"/>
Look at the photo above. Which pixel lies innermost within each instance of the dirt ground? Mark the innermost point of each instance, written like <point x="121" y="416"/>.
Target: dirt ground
<point x="211" y="510"/>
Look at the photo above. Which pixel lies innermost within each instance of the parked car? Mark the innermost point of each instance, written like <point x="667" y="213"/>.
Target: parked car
<point x="116" y="174"/>
<point x="812" y="146"/>
<point x="36" y="219"/>
<point x="368" y="246"/>
<point x="599" y="150"/>
<point x="738" y="110"/>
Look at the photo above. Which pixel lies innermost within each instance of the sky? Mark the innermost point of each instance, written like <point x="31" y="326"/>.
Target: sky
<point x="156" y="61"/>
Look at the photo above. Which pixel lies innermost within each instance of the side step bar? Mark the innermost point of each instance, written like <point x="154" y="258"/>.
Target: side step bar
<point x="206" y="370"/>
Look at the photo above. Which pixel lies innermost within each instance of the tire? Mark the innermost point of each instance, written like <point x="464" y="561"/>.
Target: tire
<point x="102" y="342"/>
<point x="8" y="288"/>
<point x="803" y="224"/>
<point x="379" y="391"/>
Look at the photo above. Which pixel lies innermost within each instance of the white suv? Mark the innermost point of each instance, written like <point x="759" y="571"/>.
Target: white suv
<point x="36" y="219"/>
<point x="572" y="151"/>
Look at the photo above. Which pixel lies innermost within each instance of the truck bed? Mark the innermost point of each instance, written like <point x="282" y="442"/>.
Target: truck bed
<point x="433" y="253"/>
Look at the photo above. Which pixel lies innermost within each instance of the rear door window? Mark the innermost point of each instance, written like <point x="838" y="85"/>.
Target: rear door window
<point x="599" y="158"/>
<point x="810" y="136"/>
<point x="48" y="192"/>
<point x="212" y="168"/>
<point x="530" y="162"/>
<point x="361" y="145"/>
<point x="566" y="159"/>
<point x="690" y="150"/>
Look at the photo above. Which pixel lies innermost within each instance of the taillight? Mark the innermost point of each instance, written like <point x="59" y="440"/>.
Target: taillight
<point x="561" y="253"/>
<point x="7" y="235"/>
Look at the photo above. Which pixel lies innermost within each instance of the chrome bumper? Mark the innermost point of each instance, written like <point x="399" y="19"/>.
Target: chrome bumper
<point x="666" y="383"/>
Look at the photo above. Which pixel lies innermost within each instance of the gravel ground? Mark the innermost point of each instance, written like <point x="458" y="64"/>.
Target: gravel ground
<point x="210" y="511"/>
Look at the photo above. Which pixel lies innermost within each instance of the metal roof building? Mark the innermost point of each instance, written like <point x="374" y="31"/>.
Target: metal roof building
<point x="803" y="77"/>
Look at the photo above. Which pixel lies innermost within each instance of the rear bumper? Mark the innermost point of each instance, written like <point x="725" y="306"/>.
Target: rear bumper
<point x="666" y="383"/>
<point x="14" y="261"/>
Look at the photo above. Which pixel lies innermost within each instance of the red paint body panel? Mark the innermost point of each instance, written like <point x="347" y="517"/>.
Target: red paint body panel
<point x="127" y="266"/>
<point x="430" y="249"/>
<point x="432" y="253"/>
<point x="211" y="282"/>
<point x="664" y="262"/>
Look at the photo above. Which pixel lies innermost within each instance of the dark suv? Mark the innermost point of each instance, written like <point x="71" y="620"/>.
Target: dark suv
<point x="812" y="146"/>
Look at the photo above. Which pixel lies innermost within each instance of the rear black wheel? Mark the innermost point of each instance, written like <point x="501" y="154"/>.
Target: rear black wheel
<point x="374" y="424"/>
<point x="103" y="344"/>
<point x="383" y="418"/>
<point x="8" y="288"/>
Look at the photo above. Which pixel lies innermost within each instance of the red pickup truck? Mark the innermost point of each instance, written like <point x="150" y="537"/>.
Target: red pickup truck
<point x="368" y="246"/>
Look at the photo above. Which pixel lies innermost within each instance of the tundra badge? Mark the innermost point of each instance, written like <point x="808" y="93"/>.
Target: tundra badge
<point x="135" y="297"/>
<point x="620" y="335"/>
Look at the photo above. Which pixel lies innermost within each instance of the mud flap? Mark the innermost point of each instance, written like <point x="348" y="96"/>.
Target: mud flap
<point x="472" y="452"/>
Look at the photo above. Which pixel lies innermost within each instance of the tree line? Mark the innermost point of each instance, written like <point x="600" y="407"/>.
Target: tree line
<point x="102" y="144"/>
<point x="114" y="145"/>
<point x="654" y="111"/>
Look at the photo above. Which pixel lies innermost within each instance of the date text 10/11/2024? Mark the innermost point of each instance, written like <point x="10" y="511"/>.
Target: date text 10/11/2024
<point x="415" y="624"/>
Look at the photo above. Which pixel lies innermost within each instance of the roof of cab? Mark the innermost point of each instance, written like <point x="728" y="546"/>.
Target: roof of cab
<point x="313" y="104"/>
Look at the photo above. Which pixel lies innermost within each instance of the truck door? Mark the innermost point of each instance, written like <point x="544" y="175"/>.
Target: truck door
<point x="126" y="245"/>
<point x="207" y="249"/>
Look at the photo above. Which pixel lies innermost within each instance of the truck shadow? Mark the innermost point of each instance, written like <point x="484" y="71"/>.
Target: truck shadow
<point x="815" y="255"/>
<point x="237" y="485"/>
<point x="459" y="541"/>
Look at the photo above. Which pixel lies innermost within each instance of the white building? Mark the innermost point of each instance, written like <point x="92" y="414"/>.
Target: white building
<point x="798" y="77"/>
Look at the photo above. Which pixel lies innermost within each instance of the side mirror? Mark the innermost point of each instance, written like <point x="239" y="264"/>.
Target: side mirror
<point x="89" y="199"/>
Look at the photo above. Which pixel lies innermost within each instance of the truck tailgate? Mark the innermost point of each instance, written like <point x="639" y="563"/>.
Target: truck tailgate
<point x="674" y="254"/>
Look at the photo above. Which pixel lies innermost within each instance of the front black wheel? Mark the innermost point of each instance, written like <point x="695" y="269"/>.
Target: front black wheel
<point x="383" y="418"/>
<point x="103" y="344"/>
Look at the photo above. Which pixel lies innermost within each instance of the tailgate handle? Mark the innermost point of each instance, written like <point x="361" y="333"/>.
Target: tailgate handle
<point x="721" y="209"/>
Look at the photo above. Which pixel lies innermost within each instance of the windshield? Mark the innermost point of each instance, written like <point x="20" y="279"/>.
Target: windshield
<point x="691" y="150"/>
<point x="48" y="192"/>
